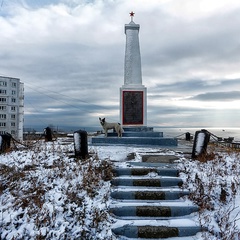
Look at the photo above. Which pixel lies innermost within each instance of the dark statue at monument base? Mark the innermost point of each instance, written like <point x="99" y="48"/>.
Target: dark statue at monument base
<point x="132" y="107"/>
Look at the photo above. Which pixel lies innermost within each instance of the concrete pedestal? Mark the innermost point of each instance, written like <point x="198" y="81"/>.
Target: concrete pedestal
<point x="135" y="136"/>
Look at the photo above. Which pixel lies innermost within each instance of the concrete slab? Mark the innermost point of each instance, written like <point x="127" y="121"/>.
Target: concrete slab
<point x="153" y="211"/>
<point x="144" y="171"/>
<point x="159" y="158"/>
<point x="142" y="141"/>
<point x="137" y="134"/>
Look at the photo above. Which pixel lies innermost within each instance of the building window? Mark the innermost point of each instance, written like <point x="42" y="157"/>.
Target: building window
<point x="13" y="124"/>
<point x="13" y="100"/>
<point x="2" y="124"/>
<point x="14" y="84"/>
<point x="13" y="132"/>
<point x="2" y="132"/>
<point x="3" y="108"/>
<point x="3" y="116"/>
<point x="3" y="99"/>
<point x="3" y="91"/>
<point x="13" y="108"/>
<point x="12" y="116"/>
<point x="13" y="92"/>
<point x="3" y="83"/>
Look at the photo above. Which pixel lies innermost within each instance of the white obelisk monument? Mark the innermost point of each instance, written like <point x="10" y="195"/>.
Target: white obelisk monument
<point x="133" y="95"/>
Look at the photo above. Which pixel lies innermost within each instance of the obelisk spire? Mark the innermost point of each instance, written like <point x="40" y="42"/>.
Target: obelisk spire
<point x="132" y="66"/>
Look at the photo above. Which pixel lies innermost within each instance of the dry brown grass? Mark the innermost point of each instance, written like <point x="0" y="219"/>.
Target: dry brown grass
<point x="214" y="187"/>
<point x="29" y="191"/>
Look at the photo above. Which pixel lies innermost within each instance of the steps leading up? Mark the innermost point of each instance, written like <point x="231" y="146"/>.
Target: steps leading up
<point x="135" y="136"/>
<point x="147" y="202"/>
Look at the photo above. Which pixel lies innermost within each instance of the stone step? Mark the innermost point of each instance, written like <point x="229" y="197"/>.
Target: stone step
<point x="143" y="141"/>
<point x="144" y="171"/>
<point x="150" y="232"/>
<point x="153" y="211"/>
<point x="156" y="158"/>
<point x="132" y="202"/>
<point x="151" y="182"/>
<point x="138" y="129"/>
<point x="163" y="230"/>
<point x="149" y="194"/>
<point x="153" y="164"/>
<point x="137" y="134"/>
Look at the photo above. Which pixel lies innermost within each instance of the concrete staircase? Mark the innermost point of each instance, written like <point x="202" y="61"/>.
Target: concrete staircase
<point x="135" y="136"/>
<point x="147" y="204"/>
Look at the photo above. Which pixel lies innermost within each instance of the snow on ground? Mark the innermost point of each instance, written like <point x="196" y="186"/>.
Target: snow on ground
<point x="214" y="183"/>
<point x="47" y="194"/>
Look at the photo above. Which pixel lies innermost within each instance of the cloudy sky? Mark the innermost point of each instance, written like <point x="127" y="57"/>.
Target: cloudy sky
<point x="70" y="56"/>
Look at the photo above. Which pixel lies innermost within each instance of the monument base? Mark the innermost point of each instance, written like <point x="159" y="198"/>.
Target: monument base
<point x="133" y="102"/>
<point x="137" y="129"/>
<point x="135" y="136"/>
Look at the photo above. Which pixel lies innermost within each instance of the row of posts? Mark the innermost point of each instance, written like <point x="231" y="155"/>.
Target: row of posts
<point x="80" y="142"/>
<point x="201" y="140"/>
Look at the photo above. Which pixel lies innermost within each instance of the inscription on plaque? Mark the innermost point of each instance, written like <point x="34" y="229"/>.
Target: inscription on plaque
<point x="132" y="107"/>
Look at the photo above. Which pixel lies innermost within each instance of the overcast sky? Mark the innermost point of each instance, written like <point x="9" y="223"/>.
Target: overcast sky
<point x="70" y="56"/>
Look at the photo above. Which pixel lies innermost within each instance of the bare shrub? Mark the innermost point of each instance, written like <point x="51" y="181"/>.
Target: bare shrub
<point x="213" y="181"/>
<point x="53" y="193"/>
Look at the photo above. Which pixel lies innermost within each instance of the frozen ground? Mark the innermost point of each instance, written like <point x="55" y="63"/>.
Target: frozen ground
<point x="47" y="194"/>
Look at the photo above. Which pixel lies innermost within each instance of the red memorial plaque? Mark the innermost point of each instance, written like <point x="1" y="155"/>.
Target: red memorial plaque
<point x="132" y="107"/>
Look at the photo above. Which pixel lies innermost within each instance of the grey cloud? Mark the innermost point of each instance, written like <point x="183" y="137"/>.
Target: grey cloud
<point x="194" y="87"/>
<point x="163" y="109"/>
<point x="184" y="49"/>
<point x="217" y="96"/>
<point x="192" y="117"/>
<point x="83" y="59"/>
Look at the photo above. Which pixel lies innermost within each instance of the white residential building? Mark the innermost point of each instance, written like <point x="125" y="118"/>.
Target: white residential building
<point x="11" y="106"/>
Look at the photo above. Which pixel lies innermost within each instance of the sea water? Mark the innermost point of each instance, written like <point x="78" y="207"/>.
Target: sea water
<point x="219" y="132"/>
<point x="175" y="131"/>
<point x="180" y="132"/>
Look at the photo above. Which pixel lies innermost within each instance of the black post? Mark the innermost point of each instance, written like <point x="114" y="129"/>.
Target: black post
<point x="48" y="134"/>
<point x="201" y="141"/>
<point x="5" y="140"/>
<point x="188" y="136"/>
<point x="80" y="144"/>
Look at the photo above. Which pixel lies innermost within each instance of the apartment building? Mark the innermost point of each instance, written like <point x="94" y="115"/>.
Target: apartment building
<point x="11" y="106"/>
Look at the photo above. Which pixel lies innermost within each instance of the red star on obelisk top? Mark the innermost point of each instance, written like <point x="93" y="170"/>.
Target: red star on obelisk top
<point x="132" y="15"/>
